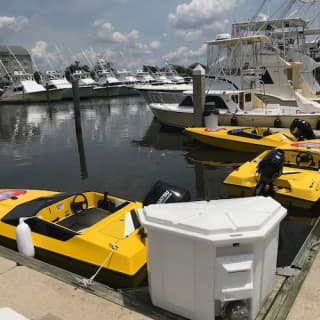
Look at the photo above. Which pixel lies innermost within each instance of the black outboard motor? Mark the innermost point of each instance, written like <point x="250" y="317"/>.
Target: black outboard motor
<point x="162" y="192"/>
<point x="302" y="130"/>
<point x="269" y="168"/>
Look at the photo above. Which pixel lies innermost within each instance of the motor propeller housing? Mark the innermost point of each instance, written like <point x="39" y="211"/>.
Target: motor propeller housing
<point x="268" y="169"/>
<point x="302" y="130"/>
<point x="163" y="192"/>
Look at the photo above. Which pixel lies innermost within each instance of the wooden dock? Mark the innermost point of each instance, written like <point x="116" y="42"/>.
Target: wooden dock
<point x="136" y="303"/>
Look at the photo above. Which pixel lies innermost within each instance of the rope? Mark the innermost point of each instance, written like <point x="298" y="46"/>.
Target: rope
<point x="84" y="282"/>
<point x="314" y="245"/>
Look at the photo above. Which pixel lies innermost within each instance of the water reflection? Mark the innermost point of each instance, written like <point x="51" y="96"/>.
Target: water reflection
<point x="121" y="149"/>
<point x="82" y="157"/>
<point x="164" y="138"/>
<point x="39" y="146"/>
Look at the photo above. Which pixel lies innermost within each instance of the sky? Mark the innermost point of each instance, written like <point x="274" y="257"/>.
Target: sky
<point x="127" y="33"/>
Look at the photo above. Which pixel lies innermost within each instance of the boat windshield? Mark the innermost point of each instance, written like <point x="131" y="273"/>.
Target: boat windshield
<point x="31" y="208"/>
<point x="187" y="102"/>
<point x="210" y="99"/>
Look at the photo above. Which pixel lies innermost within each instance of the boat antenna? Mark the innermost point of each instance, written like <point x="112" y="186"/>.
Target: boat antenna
<point x="72" y="55"/>
<point x="60" y="55"/>
<point x="286" y="8"/>
<point x="87" y="58"/>
<point x="5" y="69"/>
<point x="33" y="61"/>
<point x="18" y="62"/>
<point x="259" y="10"/>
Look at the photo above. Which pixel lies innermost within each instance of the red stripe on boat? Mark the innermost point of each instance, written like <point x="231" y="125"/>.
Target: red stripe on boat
<point x="7" y="194"/>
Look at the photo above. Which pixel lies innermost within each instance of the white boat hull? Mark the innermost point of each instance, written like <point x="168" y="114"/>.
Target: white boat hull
<point x="30" y="97"/>
<point x="110" y="91"/>
<point x="268" y="120"/>
<point x="183" y="117"/>
<point x="84" y="92"/>
<point x="165" y="93"/>
<point x="173" y="116"/>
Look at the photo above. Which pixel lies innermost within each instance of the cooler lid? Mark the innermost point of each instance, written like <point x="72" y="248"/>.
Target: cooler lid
<point x="216" y="217"/>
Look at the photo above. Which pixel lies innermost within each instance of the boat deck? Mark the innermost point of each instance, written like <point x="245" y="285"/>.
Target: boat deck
<point x="82" y="220"/>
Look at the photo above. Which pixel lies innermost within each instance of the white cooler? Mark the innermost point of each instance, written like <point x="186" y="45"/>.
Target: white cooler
<point x="203" y="255"/>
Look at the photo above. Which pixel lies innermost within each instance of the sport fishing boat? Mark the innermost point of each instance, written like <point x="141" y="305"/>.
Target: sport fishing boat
<point x="96" y="235"/>
<point x="24" y="89"/>
<point x="253" y="139"/>
<point x="290" y="174"/>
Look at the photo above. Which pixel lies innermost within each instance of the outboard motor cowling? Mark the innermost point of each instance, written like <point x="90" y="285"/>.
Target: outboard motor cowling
<point x="268" y="169"/>
<point x="162" y="192"/>
<point x="302" y="130"/>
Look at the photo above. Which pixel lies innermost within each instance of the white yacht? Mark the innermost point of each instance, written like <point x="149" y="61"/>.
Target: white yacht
<point x="126" y="77"/>
<point x="56" y="80"/>
<point x="173" y="75"/>
<point x="261" y="73"/>
<point x="25" y="89"/>
<point x="105" y="75"/>
<point x="128" y="81"/>
<point x="144" y="77"/>
<point x="287" y="61"/>
<point x="161" y="78"/>
<point x="108" y="84"/>
<point x="86" y="83"/>
<point x="230" y="107"/>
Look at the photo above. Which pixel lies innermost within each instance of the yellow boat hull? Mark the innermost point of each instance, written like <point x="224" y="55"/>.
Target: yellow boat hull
<point x="298" y="185"/>
<point x="253" y="140"/>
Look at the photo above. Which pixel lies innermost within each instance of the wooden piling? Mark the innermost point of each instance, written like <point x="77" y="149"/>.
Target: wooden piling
<point x="198" y="74"/>
<point x="77" y="119"/>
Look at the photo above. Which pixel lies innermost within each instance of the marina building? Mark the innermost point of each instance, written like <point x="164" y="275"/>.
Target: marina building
<point x="13" y="58"/>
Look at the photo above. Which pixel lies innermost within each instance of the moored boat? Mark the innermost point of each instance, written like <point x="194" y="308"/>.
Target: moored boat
<point x="290" y="174"/>
<point x="179" y="111"/>
<point x="55" y="80"/>
<point x="25" y="89"/>
<point x="92" y="234"/>
<point x="252" y="139"/>
<point x="79" y="232"/>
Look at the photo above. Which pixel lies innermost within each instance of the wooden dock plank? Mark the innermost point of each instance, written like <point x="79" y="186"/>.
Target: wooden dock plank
<point x="285" y="297"/>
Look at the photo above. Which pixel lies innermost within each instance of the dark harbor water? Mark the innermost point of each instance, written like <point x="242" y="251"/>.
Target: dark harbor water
<point x="121" y="149"/>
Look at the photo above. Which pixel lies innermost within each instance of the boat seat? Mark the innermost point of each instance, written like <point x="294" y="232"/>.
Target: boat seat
<point x="241" y="133"/>
<point x="83" y="220"/>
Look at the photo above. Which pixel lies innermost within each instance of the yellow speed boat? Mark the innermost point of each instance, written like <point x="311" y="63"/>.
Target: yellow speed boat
<point x="80" y="232"/>
<point x="290" y="174"/>
<point x="254" y="140"/>
<point x="92" y="234"/>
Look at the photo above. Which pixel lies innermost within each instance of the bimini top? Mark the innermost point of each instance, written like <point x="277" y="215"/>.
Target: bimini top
<point x="248" y="40"/>
<point x="216" y="220"/>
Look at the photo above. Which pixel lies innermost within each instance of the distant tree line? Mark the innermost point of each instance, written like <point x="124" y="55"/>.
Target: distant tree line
<point x="76" y="66"/>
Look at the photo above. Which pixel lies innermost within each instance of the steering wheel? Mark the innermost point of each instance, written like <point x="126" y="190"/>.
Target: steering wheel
<point x="80" y="206"/>
<point x="305" y="157"/>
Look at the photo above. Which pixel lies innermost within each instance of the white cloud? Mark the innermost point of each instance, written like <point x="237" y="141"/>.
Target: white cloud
<point x="39" y="50"/>
<point x="104" y="31"/>
<point x="46" y="59"/>
<point x="12" y="23"/>
<point x="199" y="13"/>
<point x="191" y="35"/>
<point x="136" y="51"/>
<point x="154" y="44"/>
<point x="186" y="55"/>
<point x="262" y="17"/>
